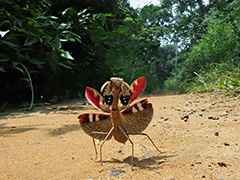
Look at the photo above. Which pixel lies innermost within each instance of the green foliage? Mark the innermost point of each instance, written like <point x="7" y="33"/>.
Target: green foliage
<point x="219" y="45"/>
<point x="178" y="77"/>
<point x="132" y="50"/>
<point x="57" y="48"/>
<point x="221" y="78"/>
<point x="123" y="56"/>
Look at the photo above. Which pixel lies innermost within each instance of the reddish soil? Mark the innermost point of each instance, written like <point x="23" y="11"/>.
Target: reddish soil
<point x="198" y="133"/>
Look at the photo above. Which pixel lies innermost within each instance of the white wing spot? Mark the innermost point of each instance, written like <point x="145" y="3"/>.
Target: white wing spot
<point x="90" y="117"/>
<point x="134" y="110"/>
<point x="140" y="106"/>
<point x="97" y="118"/>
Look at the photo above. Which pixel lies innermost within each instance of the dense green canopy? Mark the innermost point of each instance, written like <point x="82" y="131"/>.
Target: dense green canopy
<point x="54" y="48"/>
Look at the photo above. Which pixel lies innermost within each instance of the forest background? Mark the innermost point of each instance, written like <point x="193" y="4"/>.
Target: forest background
<point x="53" y="48"/>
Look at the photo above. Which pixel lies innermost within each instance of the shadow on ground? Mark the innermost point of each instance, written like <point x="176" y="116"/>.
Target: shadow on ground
<point x="145" y="163"/>
<point x="64" y="129"/>
<point x="4" y="130"/>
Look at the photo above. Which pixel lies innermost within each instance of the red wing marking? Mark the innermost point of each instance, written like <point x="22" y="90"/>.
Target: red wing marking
<point x="91" y="117"/>
<point x="141" y="105"/>
<point x="93" y="97"/>
<point x="137" y="117"/>
<point x="96" y="125"/>
<point x="96" y="99"/>
<point x="138" y="87"/>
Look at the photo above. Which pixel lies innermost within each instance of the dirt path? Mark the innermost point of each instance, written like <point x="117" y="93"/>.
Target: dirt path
<point x="200" y="135"/>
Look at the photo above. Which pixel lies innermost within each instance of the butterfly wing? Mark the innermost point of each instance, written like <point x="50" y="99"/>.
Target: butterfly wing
<point x="137" y="117"/>
<point x="96" y="125"/>
<point x="96" y="99"/>
<point x="138" y="87"/>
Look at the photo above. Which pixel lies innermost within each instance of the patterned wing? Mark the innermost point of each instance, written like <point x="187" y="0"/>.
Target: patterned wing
<point x="137" y="117"/>
<point x="100" y="124"/>
<point x="138" y="87"/>
<point x="96" y="99"/>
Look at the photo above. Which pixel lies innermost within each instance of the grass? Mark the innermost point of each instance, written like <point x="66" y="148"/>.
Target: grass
<point x="220" y="78"/>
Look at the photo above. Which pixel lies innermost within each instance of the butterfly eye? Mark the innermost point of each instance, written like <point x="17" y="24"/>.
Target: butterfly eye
<point x="124" y="99"/>
<point x="108" y="99"/>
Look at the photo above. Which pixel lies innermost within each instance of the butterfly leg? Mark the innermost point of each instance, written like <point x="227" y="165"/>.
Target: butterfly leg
<point x="132" y="146"/>
<point x="144" y="134"/>
<point x="109" y="133"/>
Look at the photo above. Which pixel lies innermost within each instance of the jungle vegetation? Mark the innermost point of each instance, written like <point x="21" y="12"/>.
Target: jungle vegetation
<point x="52" y="48"/>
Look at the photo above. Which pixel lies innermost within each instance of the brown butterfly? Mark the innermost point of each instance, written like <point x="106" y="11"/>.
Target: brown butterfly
<point x="123" y="120"/>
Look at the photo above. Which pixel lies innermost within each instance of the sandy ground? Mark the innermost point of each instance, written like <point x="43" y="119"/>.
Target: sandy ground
<point x="48" y="143"/>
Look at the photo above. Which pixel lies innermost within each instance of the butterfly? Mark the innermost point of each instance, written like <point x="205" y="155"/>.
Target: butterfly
<point x="123" y="120"/>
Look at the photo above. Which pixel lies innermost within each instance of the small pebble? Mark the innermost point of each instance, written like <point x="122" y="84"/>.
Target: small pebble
<point x="213" y="118"/>
<point x="119" y="151"/>
<point x="222" y="164"/>
<point x="216" y="133"/>
<point x="166" y="126"/>
<point x="226" y="144"/>
<point x="116" y="172"/>
<point x="185" y="117"/>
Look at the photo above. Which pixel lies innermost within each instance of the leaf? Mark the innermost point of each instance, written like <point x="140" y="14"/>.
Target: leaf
<point x="5" y="21"/>
<point x="4" y="60"/>
<point x="102" y="19"/>
<point x="8" y="43"/>
<point x="26" y="79"/>
<point x="3" y="33"/>
<point x="47" y="2"/>
<point x="70" y="10"/>
<point x="19" y="21"/>
<point x="109" y="15"/>
<point x="67" y="55"/>
<point x="64" y="12"/>
<point x="70" y="63"/>
<point x="30" y="41"/>
<point x="14" y="63"/>
<point x="64" y="65"/>
<point x="71" y="39"/>
<point x="79" y="40"/>
<point x="82" y="12"/>
<point x="57" y="43"/>
<point x="2" y="70"/>
<point x="36" y="62"/>
<point x="18" y="68"/>
<point x="53" y="17"/>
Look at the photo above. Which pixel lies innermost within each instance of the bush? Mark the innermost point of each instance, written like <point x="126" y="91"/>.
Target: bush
<point x="222" y="78"/>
